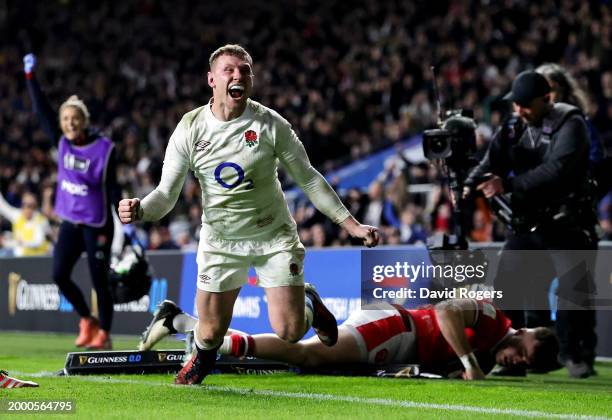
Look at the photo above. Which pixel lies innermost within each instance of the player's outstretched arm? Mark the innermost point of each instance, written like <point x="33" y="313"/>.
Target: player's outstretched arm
<point x="294" y="159"/>
<point x="453" y="317"/>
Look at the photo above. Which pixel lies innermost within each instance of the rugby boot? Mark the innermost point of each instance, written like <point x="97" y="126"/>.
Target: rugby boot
<point x="323" y="321"/>
<point x="160" y="326"/>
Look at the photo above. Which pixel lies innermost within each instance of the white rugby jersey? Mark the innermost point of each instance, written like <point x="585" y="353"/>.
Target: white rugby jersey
<point x="236" y="163"/>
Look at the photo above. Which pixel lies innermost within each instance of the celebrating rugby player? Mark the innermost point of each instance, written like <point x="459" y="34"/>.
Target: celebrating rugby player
<point x="233" y="145"/>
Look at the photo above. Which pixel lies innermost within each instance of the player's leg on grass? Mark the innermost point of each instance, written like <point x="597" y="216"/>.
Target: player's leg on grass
<point x="294" y="309"/>
<point x="293" y="306"/>
<point x="214" y="316"/>
<point x="308" y="353"/>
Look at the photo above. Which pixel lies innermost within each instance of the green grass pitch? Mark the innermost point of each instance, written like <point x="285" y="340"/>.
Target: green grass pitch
<point x="38" y="356"/>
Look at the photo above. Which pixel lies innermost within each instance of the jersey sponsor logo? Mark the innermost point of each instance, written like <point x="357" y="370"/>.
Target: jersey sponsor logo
<point x="204" y="278"/>
<point x="251" y="138"/>
<point x="201" y="145"/>
<point x="239" y="172"/>
<point x="76" y="163"/>
<point x="234" y="166"/>
<point x="74" y="189"/>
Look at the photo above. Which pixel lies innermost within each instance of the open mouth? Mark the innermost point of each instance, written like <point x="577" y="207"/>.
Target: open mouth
<point x="236" y="91"/>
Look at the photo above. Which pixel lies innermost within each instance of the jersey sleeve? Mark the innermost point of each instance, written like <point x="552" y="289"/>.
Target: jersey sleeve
<point x="162" y="199"/>
<point x="292" y="156"/>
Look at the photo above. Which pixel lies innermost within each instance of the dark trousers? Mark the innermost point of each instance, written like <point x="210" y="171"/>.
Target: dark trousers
<point x="525" y="277"/>
<point x="96" y="241"/>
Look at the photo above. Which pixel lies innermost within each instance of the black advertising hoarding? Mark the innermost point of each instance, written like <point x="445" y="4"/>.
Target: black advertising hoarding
<point x="30" y="300"/>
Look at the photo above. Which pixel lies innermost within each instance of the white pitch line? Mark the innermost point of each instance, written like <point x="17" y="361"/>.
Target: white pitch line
<point x="339" y="398"/>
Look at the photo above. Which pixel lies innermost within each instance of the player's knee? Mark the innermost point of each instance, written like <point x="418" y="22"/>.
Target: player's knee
<point x="289" y="333"/>
<point x="210" y="337"/>
<point x="209" y="341"/>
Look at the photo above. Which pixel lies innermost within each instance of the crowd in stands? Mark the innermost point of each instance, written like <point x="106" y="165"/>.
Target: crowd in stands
<point x="351" y="77"/>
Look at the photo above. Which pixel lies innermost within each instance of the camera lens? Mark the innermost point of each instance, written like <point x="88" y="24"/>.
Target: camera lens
<point x="438" y="146"/>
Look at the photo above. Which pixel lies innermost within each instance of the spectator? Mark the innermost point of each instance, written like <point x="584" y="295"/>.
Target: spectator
<point x="350" y="83"/>
<point x="30" y="227"/>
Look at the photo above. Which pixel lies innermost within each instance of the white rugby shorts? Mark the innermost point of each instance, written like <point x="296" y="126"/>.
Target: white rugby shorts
<point x="223" y="265"/>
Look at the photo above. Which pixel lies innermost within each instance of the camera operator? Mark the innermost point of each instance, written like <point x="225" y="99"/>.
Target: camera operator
<point x="541" y="157"/>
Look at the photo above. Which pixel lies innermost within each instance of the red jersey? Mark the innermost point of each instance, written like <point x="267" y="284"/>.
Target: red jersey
<point x="490" y="328"/>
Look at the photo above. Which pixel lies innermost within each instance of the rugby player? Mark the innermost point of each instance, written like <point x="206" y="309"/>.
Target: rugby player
<point x="233" y="145"/>
<point x="474" y="332"/>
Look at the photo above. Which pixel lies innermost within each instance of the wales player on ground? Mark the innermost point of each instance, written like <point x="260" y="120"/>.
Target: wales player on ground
<point x="233" y="145"/>
<point x="434" y="337"/>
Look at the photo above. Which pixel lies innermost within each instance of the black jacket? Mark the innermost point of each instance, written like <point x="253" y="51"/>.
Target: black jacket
<point x="541" y="165"/>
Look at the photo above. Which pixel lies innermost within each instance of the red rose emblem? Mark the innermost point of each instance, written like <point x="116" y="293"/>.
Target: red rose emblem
<point x="250" y="135"/>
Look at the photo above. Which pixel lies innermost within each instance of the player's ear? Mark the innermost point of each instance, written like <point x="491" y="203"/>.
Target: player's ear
<point x="211" y="79"/>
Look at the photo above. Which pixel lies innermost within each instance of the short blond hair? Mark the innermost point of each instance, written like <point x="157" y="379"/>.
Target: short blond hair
<point x="78" y="103"/>
<point x="230" y="49"/>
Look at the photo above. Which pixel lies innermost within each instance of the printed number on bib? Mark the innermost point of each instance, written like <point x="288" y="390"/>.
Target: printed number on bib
<point x="232" y="168"/>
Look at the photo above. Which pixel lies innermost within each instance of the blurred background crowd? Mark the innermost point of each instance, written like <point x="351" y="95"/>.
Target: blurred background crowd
<point x="352" y="77"/>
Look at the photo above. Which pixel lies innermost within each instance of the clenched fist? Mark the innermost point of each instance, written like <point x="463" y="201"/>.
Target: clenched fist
<point x="369" y="234"/>
<point x="129" y="210"/>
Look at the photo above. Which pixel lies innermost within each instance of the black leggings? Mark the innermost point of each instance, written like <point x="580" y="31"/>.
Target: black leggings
<point x="72" y="241"/>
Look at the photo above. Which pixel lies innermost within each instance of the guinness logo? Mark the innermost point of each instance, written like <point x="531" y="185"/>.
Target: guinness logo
<point x="82" y="360"/>
<point x="161" y="357"/>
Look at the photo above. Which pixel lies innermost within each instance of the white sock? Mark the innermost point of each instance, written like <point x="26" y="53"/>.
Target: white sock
<point x="184" y="322"/>
<point x="226" y="346"/>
